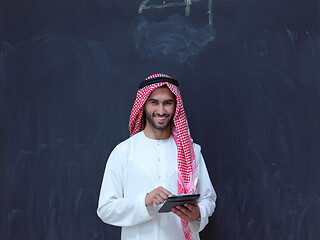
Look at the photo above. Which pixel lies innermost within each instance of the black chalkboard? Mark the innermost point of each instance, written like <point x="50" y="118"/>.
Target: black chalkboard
<point x="250" y="80"/>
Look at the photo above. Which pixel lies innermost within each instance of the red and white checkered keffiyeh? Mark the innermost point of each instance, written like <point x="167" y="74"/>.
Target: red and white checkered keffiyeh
<point x="187" y="168"/>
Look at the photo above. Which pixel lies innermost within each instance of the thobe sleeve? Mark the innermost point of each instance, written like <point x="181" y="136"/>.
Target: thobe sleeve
<point x="113" y="207"/>
<point x="207" y="195"/>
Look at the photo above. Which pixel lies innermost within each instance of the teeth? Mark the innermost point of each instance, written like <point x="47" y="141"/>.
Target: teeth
<point x="161" y="118"/>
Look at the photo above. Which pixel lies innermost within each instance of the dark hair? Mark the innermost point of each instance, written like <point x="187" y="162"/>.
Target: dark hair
<point x="157" y="80"/>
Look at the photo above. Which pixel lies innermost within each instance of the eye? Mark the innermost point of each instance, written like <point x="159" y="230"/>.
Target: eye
<point x="168" y="103"/>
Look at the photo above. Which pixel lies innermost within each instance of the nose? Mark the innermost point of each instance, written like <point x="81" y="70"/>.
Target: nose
<point x="161" y="110"/>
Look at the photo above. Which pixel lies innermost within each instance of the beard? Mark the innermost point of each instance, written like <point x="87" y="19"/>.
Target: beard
<point x="154" y="124"/>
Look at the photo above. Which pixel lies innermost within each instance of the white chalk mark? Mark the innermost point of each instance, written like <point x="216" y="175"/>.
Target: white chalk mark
<point x="144" y="5"/>
<point x="210" y="13"/>
<point x="187" y="3"/>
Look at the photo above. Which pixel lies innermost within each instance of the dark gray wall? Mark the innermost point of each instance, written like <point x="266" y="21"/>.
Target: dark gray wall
<point x="250" y="79"/>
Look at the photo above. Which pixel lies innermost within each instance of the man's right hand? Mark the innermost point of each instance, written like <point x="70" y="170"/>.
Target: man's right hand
<point x="157" y="196"/>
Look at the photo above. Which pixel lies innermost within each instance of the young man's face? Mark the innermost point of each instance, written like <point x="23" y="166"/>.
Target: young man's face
<point x="160" y="108"/>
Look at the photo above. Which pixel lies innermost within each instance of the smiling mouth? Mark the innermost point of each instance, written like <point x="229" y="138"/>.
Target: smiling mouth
<point x="161" y="118"/>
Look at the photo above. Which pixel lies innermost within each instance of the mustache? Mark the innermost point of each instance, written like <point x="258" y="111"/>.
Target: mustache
<point x="160" y="115"/>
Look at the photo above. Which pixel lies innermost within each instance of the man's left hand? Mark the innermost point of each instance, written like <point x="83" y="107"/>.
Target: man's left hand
<point x="187" y="212"/>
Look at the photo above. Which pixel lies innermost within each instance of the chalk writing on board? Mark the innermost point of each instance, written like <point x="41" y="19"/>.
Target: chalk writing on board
<point x="179" y="41"/>
<point x="147" y="4"/>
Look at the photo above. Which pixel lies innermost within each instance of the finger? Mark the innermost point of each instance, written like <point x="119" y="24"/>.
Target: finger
<point x="158" y="195"/>
<point x="190" y="207"/>
<point x="183" y="210"/>
<point x="163" y="195"/>
<point x="159" y="199"/>
<point x="180" y="214"/>
<point x="194" y="211"/>
<point x="165" y="191"/>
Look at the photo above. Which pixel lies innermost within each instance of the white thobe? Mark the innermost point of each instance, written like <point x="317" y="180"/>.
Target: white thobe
<point x="137" y="166"/>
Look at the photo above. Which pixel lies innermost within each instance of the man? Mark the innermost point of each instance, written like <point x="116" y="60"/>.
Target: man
<point x="158" y="160"/>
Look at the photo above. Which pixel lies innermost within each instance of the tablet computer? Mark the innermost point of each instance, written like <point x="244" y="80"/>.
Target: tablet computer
<point x="178" y="200"/>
